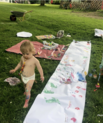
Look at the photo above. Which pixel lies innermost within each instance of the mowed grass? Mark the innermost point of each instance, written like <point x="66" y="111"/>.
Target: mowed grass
<point x="48" y="19"/>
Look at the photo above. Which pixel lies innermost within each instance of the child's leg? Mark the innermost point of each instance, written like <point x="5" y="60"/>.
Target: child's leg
<point x="24" y="86"/>
<point x="25" y="89"/>
<point x="27" y="92"/>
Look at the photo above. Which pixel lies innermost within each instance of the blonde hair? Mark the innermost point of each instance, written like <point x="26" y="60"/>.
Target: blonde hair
<point x="27" y="46"/>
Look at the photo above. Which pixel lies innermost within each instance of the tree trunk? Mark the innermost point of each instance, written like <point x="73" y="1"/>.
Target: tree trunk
<point x="42" y="2"/>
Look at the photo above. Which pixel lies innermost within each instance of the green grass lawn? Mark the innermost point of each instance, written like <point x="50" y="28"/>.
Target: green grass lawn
<point x="46" y="20"/>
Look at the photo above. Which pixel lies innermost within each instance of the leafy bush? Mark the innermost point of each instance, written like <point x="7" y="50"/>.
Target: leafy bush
<point x="56" y="2"/>
<point x="101" y="10"/>
<point x="34" y="1"/>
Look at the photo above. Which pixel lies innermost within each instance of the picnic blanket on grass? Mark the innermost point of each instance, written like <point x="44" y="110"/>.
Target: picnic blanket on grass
<point x="43" y="53"/>
<point x="63" y="98"/>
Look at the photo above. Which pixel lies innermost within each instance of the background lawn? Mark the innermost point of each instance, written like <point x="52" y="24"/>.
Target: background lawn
<point x="46" y="20"/>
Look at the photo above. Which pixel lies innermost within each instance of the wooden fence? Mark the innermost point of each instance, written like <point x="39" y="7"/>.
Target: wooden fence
<point x="83" y="5"/>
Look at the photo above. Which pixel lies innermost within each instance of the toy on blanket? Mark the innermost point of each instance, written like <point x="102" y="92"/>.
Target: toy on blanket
<point x="55" y="55"/>
<point x="12" y="81"/>
<point x="22" y="68"/>
<point x="38" y="53"/>
<point x="50" y="46"/>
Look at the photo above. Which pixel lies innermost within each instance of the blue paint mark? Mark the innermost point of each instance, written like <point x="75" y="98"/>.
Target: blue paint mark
<point x="27" y="97"/>
<point x="80" y="77"/>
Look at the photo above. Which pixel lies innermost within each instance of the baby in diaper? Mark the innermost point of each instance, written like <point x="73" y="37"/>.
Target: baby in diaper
<point x="28" y="63"/>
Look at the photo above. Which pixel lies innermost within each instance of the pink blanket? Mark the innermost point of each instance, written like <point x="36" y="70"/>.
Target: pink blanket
<point x="41" y="53"/>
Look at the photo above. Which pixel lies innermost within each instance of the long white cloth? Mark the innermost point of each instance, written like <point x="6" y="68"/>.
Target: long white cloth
<point x="59" y="101"/>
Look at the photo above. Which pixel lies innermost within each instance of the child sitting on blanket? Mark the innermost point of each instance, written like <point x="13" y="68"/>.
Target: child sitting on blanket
<point x="28" y="63"/>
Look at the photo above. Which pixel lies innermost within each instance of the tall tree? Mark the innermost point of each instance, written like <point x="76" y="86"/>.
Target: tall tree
<point x="42" y="2"/>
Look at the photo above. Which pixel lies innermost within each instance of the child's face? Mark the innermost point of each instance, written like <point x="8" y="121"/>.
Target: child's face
<point x="27" y="55"/>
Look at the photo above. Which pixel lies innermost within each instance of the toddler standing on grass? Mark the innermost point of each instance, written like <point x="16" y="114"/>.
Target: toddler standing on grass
<point x="28" y="63"/>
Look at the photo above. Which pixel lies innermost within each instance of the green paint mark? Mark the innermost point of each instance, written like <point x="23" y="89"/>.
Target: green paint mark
<point x="26" y="90"/>
<point x="59" y="54"/>
<point x="53" y="86"/>
<point x="85" y="57"/>
<point x="48" y="91"/>
<point x="61" y="64"/>
<point x="53" y="100"/>
<point x="49" y="56"/>
<point x="88" y="47"/>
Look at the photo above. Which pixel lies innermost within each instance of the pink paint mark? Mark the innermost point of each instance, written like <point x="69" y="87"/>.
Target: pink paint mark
<point x="60" y="81"/>
<point x="85" y="48"/>
<point x="77" y="108"/>
<point x="65" y="62"/>
<point x="78" y="87"/>
<point x="30" y="87"/>
<point x="69" y="65"/>
<point x="84" y="61"/>
<point x="73" y="95"/>
<point x="68" y="80"/>
<point x="72" y="75"/>
<point x="80" y="96"/>
<point x="74" y="119"/>
<point x="76" y="91"/>
<point x="59" y="69"/>
<point x="60" y="76"/>
<point x="66" y="65"/>
<point x="63" y="79"/>
<point x="83" y="89"/>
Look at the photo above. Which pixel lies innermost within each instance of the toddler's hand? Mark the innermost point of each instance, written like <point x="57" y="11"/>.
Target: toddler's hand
<point x="42" y="79"/>
<point x="12" y="71"/>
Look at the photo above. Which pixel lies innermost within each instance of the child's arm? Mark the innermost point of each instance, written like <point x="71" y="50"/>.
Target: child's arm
<point x="40" y="70"/>
<point x="16" y="68"/>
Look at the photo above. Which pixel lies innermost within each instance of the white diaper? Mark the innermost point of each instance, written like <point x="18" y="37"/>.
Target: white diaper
<point x="26" y="79"/>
